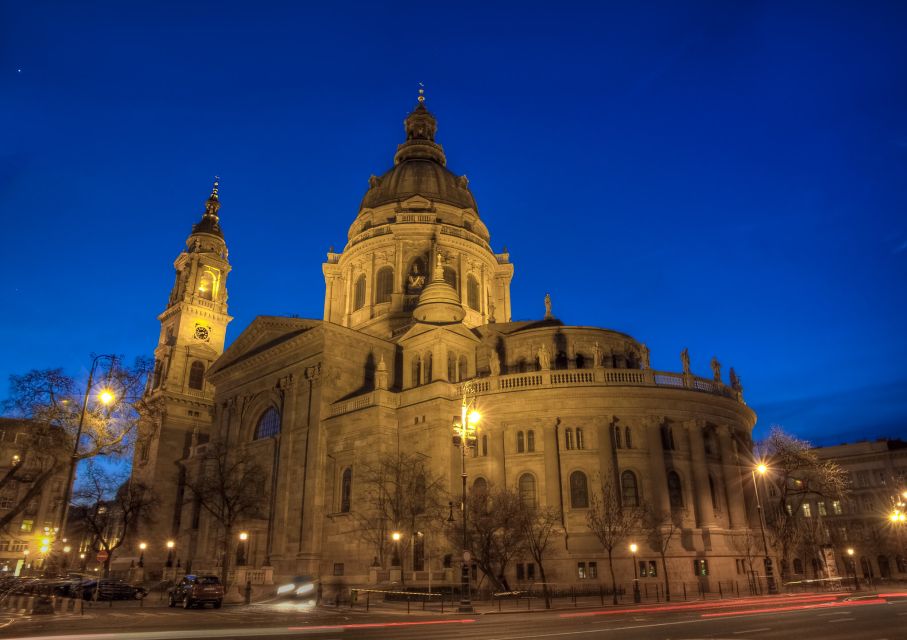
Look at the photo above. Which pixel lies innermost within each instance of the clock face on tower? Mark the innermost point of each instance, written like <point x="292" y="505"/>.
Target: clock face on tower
<point x="201" y="333"/>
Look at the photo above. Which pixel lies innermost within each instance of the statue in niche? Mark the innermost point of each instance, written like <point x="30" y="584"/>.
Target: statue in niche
<point x="416" y="278"/>
<point x="716" y="369"/>
<point x="494" y="362"/>
<point x="544" y="357"/>
<point x="644" y="356"/>
<point x="597" y="355"/>
<point x="548" y="315"/>
<point x="685" y="360"/>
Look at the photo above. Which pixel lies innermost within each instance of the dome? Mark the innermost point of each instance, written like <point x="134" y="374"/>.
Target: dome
<point x="419" y="176"/>
<point x="419" y="169"/>
<point x="438" y="302"/>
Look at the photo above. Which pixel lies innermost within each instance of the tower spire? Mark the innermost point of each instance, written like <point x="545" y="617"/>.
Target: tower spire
<point x="210" y="222"/>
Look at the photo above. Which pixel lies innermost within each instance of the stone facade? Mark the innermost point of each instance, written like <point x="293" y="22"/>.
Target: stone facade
<point x="416" y="304"/>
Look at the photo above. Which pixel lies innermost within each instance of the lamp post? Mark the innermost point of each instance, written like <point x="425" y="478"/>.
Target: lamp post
<point x="769" y="578"/>
<point x="465" y="437"/>
<point x="853" y="567"/>
<point x="170" y="545"/>
<point x="637" y="597"/>
<point x="395" y="536"/>
<point x="106" y="397"/>
<point x="241" y="552"/>
<point x="142" y="547"/>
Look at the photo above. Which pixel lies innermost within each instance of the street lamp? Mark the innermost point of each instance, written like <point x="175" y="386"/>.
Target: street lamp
<point x="241" y="554"/>
<point x="105" y="397"/>
<point x="853" y="567"/>
<point x="395" y="536"/>
<point x="769" y="578"/>
<point x="170" y="545"/>
<point x="636" y="595"/>
<point x="142" y="547"/>
<point x="465" y="437"/>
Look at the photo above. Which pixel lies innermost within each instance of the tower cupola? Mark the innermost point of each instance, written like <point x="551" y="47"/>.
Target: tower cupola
<point x="210" y="222"/>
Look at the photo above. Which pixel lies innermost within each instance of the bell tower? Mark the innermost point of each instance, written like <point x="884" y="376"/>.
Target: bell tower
<point x="178" y="398"/>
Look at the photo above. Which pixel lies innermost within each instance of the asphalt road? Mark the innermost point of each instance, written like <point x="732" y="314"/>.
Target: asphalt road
<point x="831" y="618"/>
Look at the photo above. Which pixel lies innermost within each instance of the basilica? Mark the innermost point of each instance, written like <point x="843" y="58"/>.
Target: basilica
<point x="417" y="313"/>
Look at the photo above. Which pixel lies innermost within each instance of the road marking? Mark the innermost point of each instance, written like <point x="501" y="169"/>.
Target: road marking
<point x="841" y="620"/>
<point x="737" y="633"/>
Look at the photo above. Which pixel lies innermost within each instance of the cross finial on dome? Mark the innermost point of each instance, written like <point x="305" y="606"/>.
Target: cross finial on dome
<point x="214" y="188"/>
<point x="421" y="93"/>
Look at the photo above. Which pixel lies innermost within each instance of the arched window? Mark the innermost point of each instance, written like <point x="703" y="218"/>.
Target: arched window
<point x="427" y="360"/>
<point x="359" y="293"/>
<point x="207" y="285"/>
<point x="579" y="439"/>
<point x="667" y="437"/>
<point x="480" y="486"/>
<point x="346" y="487"/>
<point x="520" y="442"/>
<point x="884" y="566"/>
<point x="714" y="494"/>
<point x="530" y="441"/>
<point x="197" y="375"/>
<point x="450" y="276"/>
<point x="384" y="285"/>
<point x="617" y="437"/>
<point x="579" y="490"/>
<point x="629" y="489"/>
<point x="452" y="367"/>
<point x="708" y="438"/>
<point x="158" y="372"/>
<point x="268" y="424"/>
<point x="484" y="445"/>
<point x="568" y="438"/>
<point x="627" y="438"/>
<point x="472" y="292"/>
<point x="527" y="491"/>
<point x="675" y="490"/>
<point x="417" y="371"/>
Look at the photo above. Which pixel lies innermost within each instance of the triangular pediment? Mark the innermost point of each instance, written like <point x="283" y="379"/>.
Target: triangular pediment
<point x="416" y="203"/>
<point x="264" y="333"/>
<point x="420" y="332"/>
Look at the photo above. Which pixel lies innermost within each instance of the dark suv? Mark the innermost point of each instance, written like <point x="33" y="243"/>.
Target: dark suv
<point x="192" y="590"/>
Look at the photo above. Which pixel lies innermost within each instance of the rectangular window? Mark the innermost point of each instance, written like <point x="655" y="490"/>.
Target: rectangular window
<point x="643" y="569"/>
<point x="338" y="568"/>
<point x="530" y="571"/>
<point x="807" y="510"/>
<point x="822" y="510"/>
<point x="653" y="569"/>
<point x="581" y="570"/>
<point x="790" y="509"/>
<point x="836" y="507"/>
<point x="593" y="569"/>
<point x="520" y="572"/>
<point x="701" y="567"/>
<point x="27" y="525"/>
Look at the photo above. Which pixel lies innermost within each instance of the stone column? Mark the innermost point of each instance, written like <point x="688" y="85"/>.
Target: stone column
<point x="705" y="514"/>
<point x="659" y="476"/>
<point x="733" y="486"/>
<point x="279" y="530"/>
<point x="312" y="507"/>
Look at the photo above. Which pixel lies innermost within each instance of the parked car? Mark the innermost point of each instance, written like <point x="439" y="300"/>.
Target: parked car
<point x="301" y="588"/>
<point x="110" y="589"/>
<point x="197" y="590"/>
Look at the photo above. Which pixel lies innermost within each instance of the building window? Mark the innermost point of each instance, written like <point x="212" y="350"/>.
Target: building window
<point x="629" y="489"/>
<point x="627" y="438"/>
<point x="822" y="510"/>
<point x="450" y="277"/>
<point x="197" y="375"/>
<point x="520" y="572"/>
<point x="617" y="437"/>
<point x="653" y="569"/>
<point x="520" y="442"/>
<point x="807" y="510"/>
<point x="268" y="424"/>
<point x="579" y="490"/>
<point x="207" y="286"/>
<point x="675" y="490"/>
<point x="798" y="566"/>
<point x="713" y="493"/>
<point x="472" y="292"/>
<point x="452" y="367"/>
<point x="667" y="437"/>
<point x="527" y="491"/>
<point x="384" y="285"/>
<point x="568" y="439"/>
<point x="346" y="489"/>
<point x="593" y="570"/>
<point x="581" y="570"/>
<point x="484" y="445"/>
<point x="700" y="567"/>
<point x="836" y="507"/>
<point x="27" y="526"/>
<point x="338" y="568"/>
<point x="417" y="371"/>
<point x="530" y="441"/>
<point x="464" y="368"/>
<point x="359" y="293"/>
<point x="427" y="360"/>
<point x="579" y="439"/>
<point x="480" y="486"/>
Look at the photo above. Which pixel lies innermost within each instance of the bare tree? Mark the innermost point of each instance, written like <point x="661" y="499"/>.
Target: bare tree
<point x="495" y="531"/>
<point x="231" y="489"/>
<point x="398" y="493"/>
<point x="108" y="507"/>
<point x="612" y="523"/>
<point x="661" y="527"/>
<point x="750" y="547"/>
<point x="538" y="526"/>
<point x="797" y="474"/>
<point x="49" y="404"/>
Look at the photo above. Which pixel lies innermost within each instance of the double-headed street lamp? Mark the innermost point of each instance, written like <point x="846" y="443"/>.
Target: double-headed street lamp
<point x="465" y="437"/>
<point x="769" y="578"/>
<point x="637" y="597"/>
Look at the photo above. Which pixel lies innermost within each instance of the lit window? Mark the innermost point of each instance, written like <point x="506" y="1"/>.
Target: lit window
<point x="593" y="569"/>
<point x="581" y="570"/>
<point x="836" y="507"/>
<point x="822" y="510"/>
<point x="27" y="525"/>
<point x="807" y="510"/>
<point x="701" y="567"/>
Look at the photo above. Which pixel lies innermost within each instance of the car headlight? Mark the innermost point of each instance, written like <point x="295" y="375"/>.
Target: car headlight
<point x="285" y="588"/>
<point x="306" y="588"/>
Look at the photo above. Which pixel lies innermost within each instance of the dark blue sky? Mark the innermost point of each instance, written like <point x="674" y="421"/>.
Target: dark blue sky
<point x="728" y="177"/>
